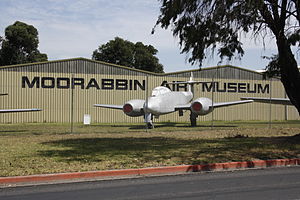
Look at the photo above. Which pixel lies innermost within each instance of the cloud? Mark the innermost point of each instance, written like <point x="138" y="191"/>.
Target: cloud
<point x="80" y="26"/>
<point x="75" y="28"/>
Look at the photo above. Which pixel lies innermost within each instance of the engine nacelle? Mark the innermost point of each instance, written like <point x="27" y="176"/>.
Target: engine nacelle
<point x="134" y="108"/>
<point x="202" y="106"/>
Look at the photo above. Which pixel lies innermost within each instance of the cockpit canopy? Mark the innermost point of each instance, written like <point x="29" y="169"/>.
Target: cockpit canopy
<point x="159" y="91"/>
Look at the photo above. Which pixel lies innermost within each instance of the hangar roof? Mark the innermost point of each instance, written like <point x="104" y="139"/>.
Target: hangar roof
<point x="88" y="66"/>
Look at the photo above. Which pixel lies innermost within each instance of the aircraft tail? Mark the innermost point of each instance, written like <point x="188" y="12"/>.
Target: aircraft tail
<point x="190" y="83"/>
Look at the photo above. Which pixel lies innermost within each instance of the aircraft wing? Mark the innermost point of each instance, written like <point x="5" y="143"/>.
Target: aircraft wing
<point x="19" y="110"/>
<point x="230" y="103"/>
<point x="282" y="101"/>
<point x="215" y="105"/>
<point x="119" y="107"/>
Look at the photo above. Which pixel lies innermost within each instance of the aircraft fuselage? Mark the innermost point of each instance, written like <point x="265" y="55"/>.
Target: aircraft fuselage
<point x="165" y="103"/>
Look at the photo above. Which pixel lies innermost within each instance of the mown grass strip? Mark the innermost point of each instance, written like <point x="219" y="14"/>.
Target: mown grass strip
<point x="29" y="149"/>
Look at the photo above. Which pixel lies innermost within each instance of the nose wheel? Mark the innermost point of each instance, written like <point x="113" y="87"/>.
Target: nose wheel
<point x="148" y="120"/>
<point x="150" y="125"/>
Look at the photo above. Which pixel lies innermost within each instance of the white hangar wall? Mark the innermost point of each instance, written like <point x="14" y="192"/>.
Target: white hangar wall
<point x="67" y="89"/>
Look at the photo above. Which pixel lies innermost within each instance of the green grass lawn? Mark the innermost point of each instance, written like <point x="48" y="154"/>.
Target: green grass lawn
<point x="27" y="149"/>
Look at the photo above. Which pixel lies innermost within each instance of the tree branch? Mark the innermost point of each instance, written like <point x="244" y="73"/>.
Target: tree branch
<point x="283" y="14"/>
<point x="265" y="13"/>
<point x="294" y="14"/>
<point x="274" y="7"/>
<point x="297" y="6"/>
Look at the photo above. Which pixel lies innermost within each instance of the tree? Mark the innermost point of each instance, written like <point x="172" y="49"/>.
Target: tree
<point x="123" y="52"/>
<point x="203" y="25"/>
<point x="20" y="45"/>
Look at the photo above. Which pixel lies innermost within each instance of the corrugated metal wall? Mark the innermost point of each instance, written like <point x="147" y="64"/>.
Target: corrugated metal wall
<point x="49" y="86"/>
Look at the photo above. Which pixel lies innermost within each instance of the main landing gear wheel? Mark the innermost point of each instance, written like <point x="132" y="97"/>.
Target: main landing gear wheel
<point x="193" y="119"/>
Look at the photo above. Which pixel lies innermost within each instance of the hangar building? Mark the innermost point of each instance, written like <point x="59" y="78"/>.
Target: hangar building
<point x="67" y="89"/>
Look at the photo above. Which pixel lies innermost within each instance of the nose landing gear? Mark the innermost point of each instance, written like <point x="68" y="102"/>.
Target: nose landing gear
<point x="148" y="120"/>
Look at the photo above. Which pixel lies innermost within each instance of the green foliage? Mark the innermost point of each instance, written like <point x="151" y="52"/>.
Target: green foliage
<point x="294" y="38"/>
<point x="123" y="52"/>
<point x="272" y="69"/>
<point x="20" y="45"/>
<point x="202" y="25"/>
<point x="218" y="24"/>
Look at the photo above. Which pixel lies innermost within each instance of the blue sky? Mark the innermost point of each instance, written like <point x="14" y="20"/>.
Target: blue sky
<point x="75" y="28"/>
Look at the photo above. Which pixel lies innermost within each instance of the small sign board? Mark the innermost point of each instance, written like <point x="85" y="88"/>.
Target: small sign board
<point x="87" y="119"/>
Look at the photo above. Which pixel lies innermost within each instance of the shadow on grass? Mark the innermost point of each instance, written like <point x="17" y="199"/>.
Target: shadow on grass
<point x="142" y="126"/>
<point x="129" y="126"/>
<point x="180" y="151"/>
<point x="188" y="125"/>
<point x="218" y="126"/>
<point x="13" y="132"/>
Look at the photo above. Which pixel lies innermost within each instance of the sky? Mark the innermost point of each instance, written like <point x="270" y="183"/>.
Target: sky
<point x="75" y="28"/>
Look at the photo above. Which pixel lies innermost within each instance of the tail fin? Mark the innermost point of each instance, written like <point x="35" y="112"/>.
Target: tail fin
<point x="191" y="77"/>
<point x="190" y="83"/>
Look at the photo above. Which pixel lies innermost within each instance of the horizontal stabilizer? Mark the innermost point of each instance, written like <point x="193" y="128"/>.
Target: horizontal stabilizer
<point x="281" y="101"/>
<point x="19" y="110"/>
<point x="224" y="104"/>
<point x="3" y="94"/>
<point x="119" y="107"/>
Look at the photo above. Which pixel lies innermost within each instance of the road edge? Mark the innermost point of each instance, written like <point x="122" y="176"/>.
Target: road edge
<point x="7" y="181"/>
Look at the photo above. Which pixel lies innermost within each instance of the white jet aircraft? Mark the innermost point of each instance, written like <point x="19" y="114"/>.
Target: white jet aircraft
<point x="18" y="110"/>
<point x="164" y="101"/>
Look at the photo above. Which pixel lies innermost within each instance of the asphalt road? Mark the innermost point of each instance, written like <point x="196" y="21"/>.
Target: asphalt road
<point x="277" y="183"/>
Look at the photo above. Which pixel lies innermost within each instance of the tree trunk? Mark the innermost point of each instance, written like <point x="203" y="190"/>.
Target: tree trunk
<point x="290" y="76"/>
